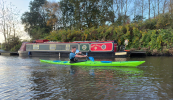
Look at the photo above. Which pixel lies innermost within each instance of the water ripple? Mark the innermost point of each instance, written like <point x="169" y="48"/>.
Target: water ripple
<point x="26" y="78"/>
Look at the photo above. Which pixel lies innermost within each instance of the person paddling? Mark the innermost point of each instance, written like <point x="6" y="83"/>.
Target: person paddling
<point x="72" y="55"/>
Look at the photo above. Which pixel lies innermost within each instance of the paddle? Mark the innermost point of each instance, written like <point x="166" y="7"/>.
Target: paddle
<point x="91" y="58"/>
<point x="77" y="51"/>
<point x="87" y="56"/>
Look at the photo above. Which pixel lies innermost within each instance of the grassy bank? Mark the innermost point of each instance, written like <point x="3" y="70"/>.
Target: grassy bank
<point x="154" y="35"/>
<point x="155" y="42"/>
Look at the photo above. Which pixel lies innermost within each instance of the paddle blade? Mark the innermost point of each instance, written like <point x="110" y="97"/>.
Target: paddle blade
<point x="91" y="58"/>
<point x="77" y="51"/>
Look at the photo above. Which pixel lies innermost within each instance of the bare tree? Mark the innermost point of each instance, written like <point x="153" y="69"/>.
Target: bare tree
<point x="122" y="5"/>
<point x="142" y="8"/>
<point x="116" y="7"/>
<point x="9" y="19"/>
<point x="158" y="4"/>
<point x="164" y="6"/>
<point x="127" y="4"/>
<point x="3" y="19"/>
<point x="170" y="6"/>
<point x="154" y="7"/>
<point x="149" y="8"/>
<point x="135" y="4"/>
<point x="126" y="8"/>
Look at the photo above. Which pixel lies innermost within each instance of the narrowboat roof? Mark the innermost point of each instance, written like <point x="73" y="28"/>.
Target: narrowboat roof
<point x="52" y="42"/>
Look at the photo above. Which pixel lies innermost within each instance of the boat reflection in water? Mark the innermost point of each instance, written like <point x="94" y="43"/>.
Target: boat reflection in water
<point x="109" y="59"/>
<point x="105" y="82"/>
<point x="96" y="70"/>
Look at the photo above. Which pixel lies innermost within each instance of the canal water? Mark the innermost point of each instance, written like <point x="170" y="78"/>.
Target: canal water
<point x="27" y="78"/>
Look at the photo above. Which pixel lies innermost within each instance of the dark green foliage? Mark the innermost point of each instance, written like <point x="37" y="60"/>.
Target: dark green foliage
<point x="81" y="14"/>
<point x="13" y="44"/>
<point x="67" y="10"/>
<point x="122" y="19"/>
<point x="36" y="18"/>
<point x="138" y="18"/>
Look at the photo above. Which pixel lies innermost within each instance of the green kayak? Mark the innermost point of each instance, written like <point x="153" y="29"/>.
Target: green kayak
<point x="96" y="63"/>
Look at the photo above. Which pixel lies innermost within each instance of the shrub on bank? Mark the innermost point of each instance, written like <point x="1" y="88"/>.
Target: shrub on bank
<point x="151" y="35"/>
<point x="13" y="44"/>
<point x="148" y="39"/>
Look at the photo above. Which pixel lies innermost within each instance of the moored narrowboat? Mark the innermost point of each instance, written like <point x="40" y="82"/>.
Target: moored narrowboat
<point x="62" y="49"/>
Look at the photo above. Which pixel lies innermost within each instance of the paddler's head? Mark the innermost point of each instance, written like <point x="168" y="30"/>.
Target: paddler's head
<point x="73" y="49"/>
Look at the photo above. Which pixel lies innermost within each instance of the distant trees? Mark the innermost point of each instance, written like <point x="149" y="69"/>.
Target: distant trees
<point x="52" y="9"/>
<point x="67" y="14"/>
<point x="86" y="13"/>
<point x="45" y="16"/>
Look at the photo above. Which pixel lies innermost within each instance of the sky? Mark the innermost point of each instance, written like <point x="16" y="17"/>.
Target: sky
<point x="22" y="6"/>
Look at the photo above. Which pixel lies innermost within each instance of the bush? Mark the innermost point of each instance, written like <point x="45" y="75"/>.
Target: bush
<point x="13" y="44"/>
<point x="16" y="47"/>
<point x="151" y="34"/>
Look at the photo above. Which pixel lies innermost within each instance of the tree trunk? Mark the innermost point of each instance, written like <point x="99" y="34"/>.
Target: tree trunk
<point x="164" y="6"/>
<point x="7" y="34"/>
<point x="3" y="22"/>
<point x="126" y="8"/>
<point x="158" y="2"/>
<point x="149" y="8"/>
<point x="14" y="30"/>
<point x="154" y="8"/>
<point x="118" y="7"/>
<point x="142" y="8"/>
<point x="170" y="6"/>
<point x="4" y="32"/>
<point x="7" y="31"/>
<point x="10" y="31"/>
<point x="135" y="8"/>
<point x="121" y="6"/>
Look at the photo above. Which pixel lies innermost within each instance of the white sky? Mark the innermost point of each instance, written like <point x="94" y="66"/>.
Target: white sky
<point x="22" y="6"/>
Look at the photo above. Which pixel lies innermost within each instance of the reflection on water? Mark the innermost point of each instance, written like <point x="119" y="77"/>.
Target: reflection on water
<point x="120" y="59"/>
<point x="27" y="78"/>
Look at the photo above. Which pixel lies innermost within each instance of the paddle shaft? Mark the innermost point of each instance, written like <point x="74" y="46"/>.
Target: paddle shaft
<point x="86" y="54"/>
<point x="77" y="51"/>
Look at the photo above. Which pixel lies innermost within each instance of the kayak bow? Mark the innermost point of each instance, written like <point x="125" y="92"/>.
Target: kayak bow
<point x="96" y="63"/>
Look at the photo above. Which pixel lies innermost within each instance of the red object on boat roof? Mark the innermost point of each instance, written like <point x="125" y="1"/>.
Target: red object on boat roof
<point x="41" y="41"/>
